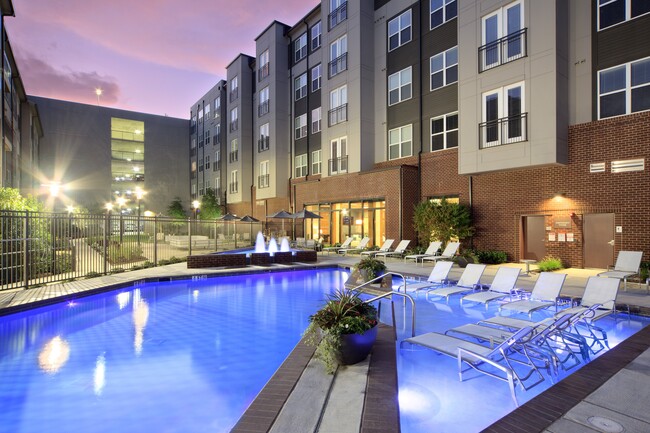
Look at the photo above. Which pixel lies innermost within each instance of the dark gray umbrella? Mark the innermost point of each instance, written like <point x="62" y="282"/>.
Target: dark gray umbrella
<point x="251" y="220"/>
<point x="306" y="215"/>
<point x="283" y="215"/>
<point x="229" y="217"/>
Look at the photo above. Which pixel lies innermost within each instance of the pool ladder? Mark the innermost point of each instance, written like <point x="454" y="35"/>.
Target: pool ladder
<point x="392" y="304"/>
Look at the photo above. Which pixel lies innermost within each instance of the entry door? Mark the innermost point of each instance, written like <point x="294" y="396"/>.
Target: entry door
<point x="534" y="237"/>
<point x="598" y="232"/>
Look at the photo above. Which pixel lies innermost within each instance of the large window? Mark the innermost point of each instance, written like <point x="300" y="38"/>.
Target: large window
<point x="441" y="11"/>
<point x="264" y="106"/>
<point x="300" y="48"/>
<point x="399" y="30"/>
<point x="301" y="165"/>
<point x="217" y="106"/>
<point x="338" y="12"/>
<point x="624" y="89"/>
<point x="399" y="86"/>
<point x="502" y="36"/>
<point x="206" y="109"/>
<point x="316" y="164"/>
<point x="315" y="36"/>
<point x="234" y="185"/>
<point x="338" y="105"/>
<point x="234" y="150"/>
<point x="339" y="151"/>
<point x="234" y="88"/>
<point x="444" y="68"/>
<point x="504" y="117"/>
<point x="207" y="162"/>
<point x="263" y="70"/>
<point x="400" y="142"/>
<point x="338" y="56"/>
<point x="264" y="139"/>
<point x="444" y="132"/>
<point x="316" y="74"/>
<point x="234" y="119"/>
<point x="300" y="86"/>
<point x="315" y="120"/>
<point x="612" y="12"/>
<point x="263" y="180"/>
<point x="301" y="126"/>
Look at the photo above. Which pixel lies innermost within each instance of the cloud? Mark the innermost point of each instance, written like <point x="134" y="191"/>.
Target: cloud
<point x="69" y="85"/>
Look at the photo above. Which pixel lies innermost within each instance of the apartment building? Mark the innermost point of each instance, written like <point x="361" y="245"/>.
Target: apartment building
<point x="534" y="114"/>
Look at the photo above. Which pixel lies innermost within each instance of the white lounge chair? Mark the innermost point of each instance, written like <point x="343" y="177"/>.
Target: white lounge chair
<point x="449" y="252"/>
<point x="627" y="265"/>
<point x="399" y="250"/>
<point x="345" y="244"/>
<point x="384" y="248"/>
<point x="363" y="244"/>
<point x="545" y="294"/>
<point x="598" y="291"/>
<point x="432" y="250"/>
<point x="503" y="285"/>
<point x="469" y="281"/>
<point x="438" y="277"/>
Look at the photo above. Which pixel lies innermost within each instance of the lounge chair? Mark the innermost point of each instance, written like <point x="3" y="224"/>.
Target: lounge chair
<point x="345" y="244"/>
<point x="399" y="250"/>
<point x="363" y="244"/>
<point x="449" y="252"/>
<point x="598" y="291"/>
<point x="384" y="248"/>
<point x="432" y="250"/>
<point x="503" y="285"/>
<point x="545" y="294"/>
<point x="476" y="356"/>
<point x="627" y="265"/>
<point x="438" y="277"/>
<point x="469" y="281"/>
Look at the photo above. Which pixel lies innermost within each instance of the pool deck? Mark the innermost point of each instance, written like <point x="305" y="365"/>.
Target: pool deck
<point x="612" y="390"/>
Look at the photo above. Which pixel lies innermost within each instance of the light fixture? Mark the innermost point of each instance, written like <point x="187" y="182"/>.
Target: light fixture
<point x="136" y="168"/>
<point x="559" y="195"/>
<point x="70" y="208"/>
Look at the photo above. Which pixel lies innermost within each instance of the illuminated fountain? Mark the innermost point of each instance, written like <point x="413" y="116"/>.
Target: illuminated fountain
<point x="260" y="244"/>
<point x="273" y="246"/>
<point x="284" y="245"/>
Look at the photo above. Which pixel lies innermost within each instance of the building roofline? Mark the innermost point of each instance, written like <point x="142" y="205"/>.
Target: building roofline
<point x="286" y="27"/>
<point x="238" y="56"/>
<point x="303" y="19"/>
<point x="7" y="8"/>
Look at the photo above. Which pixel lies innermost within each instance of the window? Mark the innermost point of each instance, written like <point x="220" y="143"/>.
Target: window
<point x="193" y="122"/>
<point x="612" y="12"/>
<point x="315" y="77"/>
<point x="234" y="119"/>
<point x="301" y="165"/>
<point x="207" y="137"/>
<point x="234" y="150"/>
<point x="263" y="70"/>
<point x="338" y="56"/>
<point x="316" y="164"/>
<point x="217" y="106"/>
<point x="444" y="132"/>
<point x="315" y="120"/>
<point x="207" y="111"/>
<point x="234" y="187"/>
<point x="234" y="88"/>
<point x="444" y="68"/>
<point x="193" y="188"/>
<point x="399" y="86"/>
<point x="504" y="119"/>
<point x="207" y="162"/>
<point x="201" y="188"/>
<point x="300" y="86"/>
<point x="193" y="143"/>
<point x="338" y="105"/>
<point x="217" y="185"/>
<point x="339" y="162"/>
<point x="315" y="36"/>
<point x="263" y="180"/>
<point x="217" y="134"/>
<point x="338" y="12"/>
<point x="263" y="143"/>
<point x="624" y="89"/>
<point x="502" y="36"/>
<point x="399" y="30"/>
<point x="400" y="142"/>
<point x="217" y="157"/>
<point x="200" y="164"/>
<point x="264" y="106"/>
<point x="441" y="11"/>
<point x="200" y="116"/>
<point x="300" y="47"/>
<point x="301" y="126"/>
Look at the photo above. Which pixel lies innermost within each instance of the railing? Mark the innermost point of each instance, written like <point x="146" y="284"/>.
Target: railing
<point x="504" y="50"/>
<point x="338" y="65"/>
<point x="338" y="15"/>
<point x="263" y="108"/>
<point x="263" y="72"/>
<point x="263" y="180"/>
<point x="127" y="156"/>
<point x="502" y="131"/>
<point x="338" y="165"/>
<point x="234" y="156"/>
<point x="337" y="115"/>
<point x="263" y="143"/>
<point x="41" y="248"/>
<point x="234" y="125"/>
<point x="234" y="94"/>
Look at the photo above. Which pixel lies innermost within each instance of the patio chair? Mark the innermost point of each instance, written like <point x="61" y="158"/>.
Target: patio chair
<point x="432" y="250"/>
<point x="449" y="252"/>
<point x="477" y="357"/>
<point x="438" y="277"/>
<point x="384" y="248"/>
<point x="627" y="265"/>
<point x="399" y="250"/>
<point x="503" y="285"/>
<point x="469" y="281"/>
<point x="363" y="244"/>
<point x="345" y="244"/>
<point x="545" y="294"/>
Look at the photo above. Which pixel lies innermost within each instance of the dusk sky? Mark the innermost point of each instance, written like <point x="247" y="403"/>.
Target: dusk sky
<point x="153" y="56"/>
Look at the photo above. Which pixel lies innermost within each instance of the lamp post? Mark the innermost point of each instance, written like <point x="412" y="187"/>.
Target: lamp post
<point x="121" y="201"/>
<point x="98" y="92"/>
<point x="139" y="193"/>
<point x="196" y="205"/>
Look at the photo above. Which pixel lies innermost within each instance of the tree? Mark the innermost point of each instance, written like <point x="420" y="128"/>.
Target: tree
<point x="442" y="221"/>
<point x="10" y="199"/>
<point x="210" y="208"/>
<point x="176" y="210"/>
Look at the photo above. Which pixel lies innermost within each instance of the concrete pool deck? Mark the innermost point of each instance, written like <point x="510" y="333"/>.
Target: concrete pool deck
<point x="595" y="394"/>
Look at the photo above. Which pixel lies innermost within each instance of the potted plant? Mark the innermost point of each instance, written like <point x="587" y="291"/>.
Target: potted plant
<point x="343" y="330"/>
<point x="370" y="268"/>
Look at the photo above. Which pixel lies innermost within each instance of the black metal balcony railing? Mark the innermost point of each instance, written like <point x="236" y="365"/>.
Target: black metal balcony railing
<point x="263" y="108"/>
<point x="193" y="151"/>
<point x="338" y="65"/>
<point x="301" y="132"/>
<point x="338" y="15"/>
<point x="234" y="94"/>
<point x="338" y="114"/>
<point x="503" y="131"/>
<point x="234" y="125"/>
<point x="234" y="187"/>
<point x="338" y="165"/>
<point x="263" y="180"/>
<point x="193" y="175"/>
<point x="200" y="143"/>
<point x="234" y="155"/>
<point x="504" y="50"/>
<point x="263" y="143"/>
<point x="263" y="72"/>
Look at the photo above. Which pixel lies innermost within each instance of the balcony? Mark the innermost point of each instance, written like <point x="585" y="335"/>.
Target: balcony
<point x="338" y="15"/>
<point x="263" y="108"/>
<point x="502" y="51"/>
<point x="234" y="187"/>
<point x="338" y="114"/>
<point x="234" y="156"/>
<point x="234" y="94"/>
<point x="263" y="180"/>
<point x="502" y="131"/>
<point x="263" y="143"/>
<point x="234" y="125"/>
<point x="263" y="72"/>
<point x="338" y="165"/>
<point x="338" y="65"/>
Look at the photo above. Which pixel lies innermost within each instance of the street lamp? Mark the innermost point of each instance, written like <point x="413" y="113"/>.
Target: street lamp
<point x="196" y="205"/>
<point x="121" y="201"/>
<point x="139" y="193"/>
<point x="98" y="92"/>
<point x="70" y="210"/>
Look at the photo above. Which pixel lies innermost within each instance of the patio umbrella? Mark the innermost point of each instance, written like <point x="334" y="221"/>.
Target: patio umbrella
<point x="249" y="219"/>
<point x="283" y="215"/>
<point x="304" y="214"/>
<point x="230" y="217"/>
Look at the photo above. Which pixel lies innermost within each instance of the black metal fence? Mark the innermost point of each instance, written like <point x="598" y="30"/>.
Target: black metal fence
<point x="40" y="248"/>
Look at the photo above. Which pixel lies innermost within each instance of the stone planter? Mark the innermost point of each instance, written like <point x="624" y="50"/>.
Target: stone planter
<point x="356" y="347"/>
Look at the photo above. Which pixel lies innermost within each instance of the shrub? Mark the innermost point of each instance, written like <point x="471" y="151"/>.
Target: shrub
<point x="116" y="271"/>
<point x="164" y="262"/>
<point x="549" y="263"/>
<point x="372" y="267"/>
<point x="63" y="262"/>
<point x="148" y="264"/>
<point x="492" y="257"/>
<point x="93" y="275"/>
<point x="644" y="271"/>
